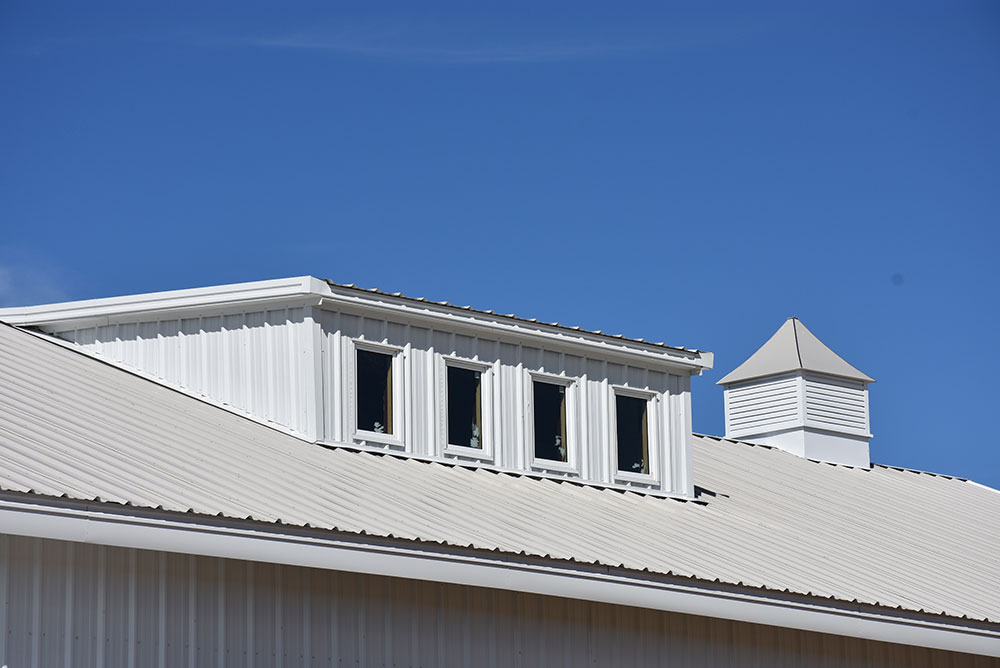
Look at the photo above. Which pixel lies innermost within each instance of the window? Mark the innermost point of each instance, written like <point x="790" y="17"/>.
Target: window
<point x="551" y="442"/>
<point x="374" y="392"/>
<point x="551" y="411"/>
<point x="465" y="389"/>
<point x="465" y="407"/>
<point x="632" y="422"/>
<point x="377" y="395"/>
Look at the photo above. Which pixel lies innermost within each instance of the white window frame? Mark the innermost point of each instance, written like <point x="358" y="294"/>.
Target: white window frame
<point x="573" y="455"/>
<point x="394" y="440"/>
<point x="654" y="431"/>
<point x="486" y="383"/>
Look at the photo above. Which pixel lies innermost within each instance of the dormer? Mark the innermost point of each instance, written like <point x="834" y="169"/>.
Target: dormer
<point x="346" y="367"/>
<point x="797" y="395"/>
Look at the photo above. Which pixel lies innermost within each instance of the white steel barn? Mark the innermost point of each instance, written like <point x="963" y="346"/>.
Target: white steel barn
<point x="302" y="473"/>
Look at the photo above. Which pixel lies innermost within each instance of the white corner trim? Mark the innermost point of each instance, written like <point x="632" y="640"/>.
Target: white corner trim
<point x="427" y="562"/>
<point x="172" y="300"/>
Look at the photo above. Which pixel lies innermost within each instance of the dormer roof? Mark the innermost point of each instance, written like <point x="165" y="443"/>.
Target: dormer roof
<point x="794" y="348"/>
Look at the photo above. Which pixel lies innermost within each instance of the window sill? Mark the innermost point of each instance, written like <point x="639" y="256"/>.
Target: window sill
<point x="553" y="466"/>
<point x="376" y="438"/>
<point x="465" y="452"/>
<point x="644" y="479"/>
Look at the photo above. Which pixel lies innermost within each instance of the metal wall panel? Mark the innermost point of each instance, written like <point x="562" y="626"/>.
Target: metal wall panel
<point x="256" y="362"/>
<point x="81" y="605"/>
<point x="264" y="363"/>
<point x="511" y="361"/>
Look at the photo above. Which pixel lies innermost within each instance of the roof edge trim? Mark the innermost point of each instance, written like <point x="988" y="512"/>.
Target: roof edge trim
<point x="170" y="300"/>
<point x="316" y="290"/>
<point x="89" y="523"/>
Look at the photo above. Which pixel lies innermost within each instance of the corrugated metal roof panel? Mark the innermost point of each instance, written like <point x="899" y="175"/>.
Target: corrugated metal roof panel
<point x="71" y="425"/>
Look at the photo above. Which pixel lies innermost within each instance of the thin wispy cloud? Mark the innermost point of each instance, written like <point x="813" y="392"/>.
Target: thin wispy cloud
<point x="496" y="53"/>
<point x="22" y="285"/>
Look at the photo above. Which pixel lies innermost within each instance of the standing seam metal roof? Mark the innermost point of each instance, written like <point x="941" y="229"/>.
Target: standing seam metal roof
<point x="511" y="316"/>
<point x="72" y="426"/>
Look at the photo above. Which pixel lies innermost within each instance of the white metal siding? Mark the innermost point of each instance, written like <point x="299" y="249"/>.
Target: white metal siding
<point x="763" y="406"/>
<point x="76" y="604"/>
<point x="423" y="347"/>
<point x="290" y="367"/>
<point x="839" y="405"/>
<point x="256" y="362"/>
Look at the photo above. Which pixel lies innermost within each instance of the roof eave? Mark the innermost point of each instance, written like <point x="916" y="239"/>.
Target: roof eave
<point x="112" y="524"/>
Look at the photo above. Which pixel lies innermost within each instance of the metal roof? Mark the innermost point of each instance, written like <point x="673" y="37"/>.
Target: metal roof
<point x="793" y="348"/>
<point x="512" y="316"/>
<point x="76" y="427"/>
<point x="171" y="301"/>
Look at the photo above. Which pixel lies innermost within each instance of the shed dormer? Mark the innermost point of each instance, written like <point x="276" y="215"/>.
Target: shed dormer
<point x="341" y="366"/>
<point x="797" y="395"/>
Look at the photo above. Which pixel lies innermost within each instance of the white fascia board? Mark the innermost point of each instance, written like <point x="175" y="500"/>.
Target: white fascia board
<point x="309" y="288"/>
<point x="90" y="523"/>
<point x="219" y="296"/>
<point x="547" y="336"/>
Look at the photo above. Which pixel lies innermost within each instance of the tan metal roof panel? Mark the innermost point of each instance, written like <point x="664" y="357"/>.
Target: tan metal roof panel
<point x="793" y="348"/>
<point x="73" y="426"/>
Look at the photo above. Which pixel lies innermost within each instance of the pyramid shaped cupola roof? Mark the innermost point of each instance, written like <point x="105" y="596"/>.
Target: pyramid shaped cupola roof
<point x="794" y="348"/>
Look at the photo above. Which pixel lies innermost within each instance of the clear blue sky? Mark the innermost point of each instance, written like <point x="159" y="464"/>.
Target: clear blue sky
<point x="690" y="173"/>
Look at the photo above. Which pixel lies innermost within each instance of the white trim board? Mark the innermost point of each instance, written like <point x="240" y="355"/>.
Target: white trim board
<point x="317" y="291"/>
<point x="92" y="523"/>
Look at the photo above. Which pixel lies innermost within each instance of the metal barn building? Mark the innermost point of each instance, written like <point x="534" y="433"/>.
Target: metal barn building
<point x="301" y="473"/>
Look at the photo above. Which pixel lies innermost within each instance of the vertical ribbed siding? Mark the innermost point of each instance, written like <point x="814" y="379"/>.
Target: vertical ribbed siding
<point x="284" y="367"/>
<point x="423" y="394"/>
<point x="836" y="404"/>
<point x="257" y="362"/>
<point x="763" y="406"/>
<point x="75" y="605"/>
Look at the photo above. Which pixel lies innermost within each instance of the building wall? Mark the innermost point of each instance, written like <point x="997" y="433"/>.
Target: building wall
<point x="512" y="362"/>
<point x="74" y="604"/>
<point x="291" y="367"/>
<point x="256" y="362"/>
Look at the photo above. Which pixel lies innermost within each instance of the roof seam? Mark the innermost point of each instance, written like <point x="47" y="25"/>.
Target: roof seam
<point x="513" y="316"/>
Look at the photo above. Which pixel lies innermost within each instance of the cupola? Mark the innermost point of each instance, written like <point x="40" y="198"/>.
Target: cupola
<point x="797" y="395"/>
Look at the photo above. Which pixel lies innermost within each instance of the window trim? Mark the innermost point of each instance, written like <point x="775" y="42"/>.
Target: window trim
<point x="573" y="450"/>
<point x="653" y="402"/>
<point x="396" y="439"/>
<point x="487" y="382"/>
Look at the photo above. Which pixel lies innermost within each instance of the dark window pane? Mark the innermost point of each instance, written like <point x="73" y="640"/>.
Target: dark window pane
<point x="633" y="435"/>
<point x="550" y="421"/>
<point x="465" y="407"/>
<point x="374" y="392"/>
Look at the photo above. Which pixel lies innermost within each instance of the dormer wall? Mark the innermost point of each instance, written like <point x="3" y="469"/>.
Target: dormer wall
<point x="258" y="362"/>
<point x="291" y="360"/>
<point x="510" y="367"/>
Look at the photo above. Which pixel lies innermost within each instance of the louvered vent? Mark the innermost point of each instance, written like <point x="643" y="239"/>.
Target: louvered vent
<point x="832" y="403"/>
<point x="763" y="406"/>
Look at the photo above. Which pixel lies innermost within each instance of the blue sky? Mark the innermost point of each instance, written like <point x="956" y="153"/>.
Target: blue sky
<point x="691" y="173"/>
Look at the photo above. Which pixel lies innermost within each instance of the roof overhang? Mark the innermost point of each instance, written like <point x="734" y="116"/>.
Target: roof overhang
<point x="115" y="525"/>
<point x="308" y="290"/>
